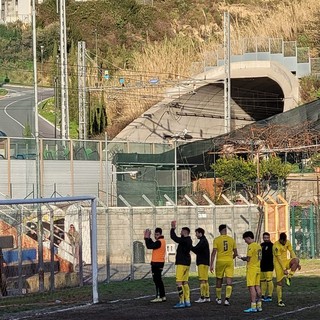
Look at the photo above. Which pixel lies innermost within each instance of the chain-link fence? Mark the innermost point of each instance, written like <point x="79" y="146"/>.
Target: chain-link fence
<point x="52" y="246"/>
<point x="46" y="245"/>
<point x="305" y="230"/>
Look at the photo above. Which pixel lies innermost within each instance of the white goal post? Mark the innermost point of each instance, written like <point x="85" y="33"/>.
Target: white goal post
<point x="93" y="201"/>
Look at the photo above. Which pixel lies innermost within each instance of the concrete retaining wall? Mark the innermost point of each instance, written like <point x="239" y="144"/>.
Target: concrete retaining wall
<point x="124" y="226"/>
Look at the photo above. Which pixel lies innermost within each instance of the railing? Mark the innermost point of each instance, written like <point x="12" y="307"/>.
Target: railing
<point x="57" y="149"/>
<point x="296" y="59"/>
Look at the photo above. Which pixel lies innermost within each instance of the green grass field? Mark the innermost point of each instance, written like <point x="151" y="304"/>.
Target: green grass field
<point x="120" y="299"/>
<point x="47" y="111"/>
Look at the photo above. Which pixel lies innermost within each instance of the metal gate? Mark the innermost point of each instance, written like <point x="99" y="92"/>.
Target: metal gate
<point x="304" y="235"/>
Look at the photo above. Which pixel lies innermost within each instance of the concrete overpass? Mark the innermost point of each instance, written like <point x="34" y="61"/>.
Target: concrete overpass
<point x="262" y="84"/>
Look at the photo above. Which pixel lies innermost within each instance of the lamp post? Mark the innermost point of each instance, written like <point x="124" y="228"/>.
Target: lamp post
<point x="175" y="137"/>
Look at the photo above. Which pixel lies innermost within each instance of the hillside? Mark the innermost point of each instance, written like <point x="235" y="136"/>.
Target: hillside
<point x="138" y="42"/>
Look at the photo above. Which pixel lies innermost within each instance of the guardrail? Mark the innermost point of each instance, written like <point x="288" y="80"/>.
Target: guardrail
<point x="58" y="149"/>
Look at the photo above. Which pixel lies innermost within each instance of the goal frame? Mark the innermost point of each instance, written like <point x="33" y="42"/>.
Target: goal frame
<point x="94" y="242"/>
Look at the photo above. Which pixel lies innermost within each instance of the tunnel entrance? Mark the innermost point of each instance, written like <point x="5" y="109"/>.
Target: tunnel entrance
<point x="260" y="98"/>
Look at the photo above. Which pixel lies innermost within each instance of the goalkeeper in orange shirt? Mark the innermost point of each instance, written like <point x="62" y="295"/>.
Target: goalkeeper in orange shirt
<point x="285" y="267"/>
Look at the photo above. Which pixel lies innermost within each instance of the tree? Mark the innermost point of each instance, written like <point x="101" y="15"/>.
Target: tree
<point x="237" y="170"/>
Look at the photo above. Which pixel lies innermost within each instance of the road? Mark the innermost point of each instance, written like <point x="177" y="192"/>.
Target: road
<point x="17" y="110"/>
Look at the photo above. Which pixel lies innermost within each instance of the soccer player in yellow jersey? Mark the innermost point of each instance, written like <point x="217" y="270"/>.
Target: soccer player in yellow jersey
<point x="285" y="267"/>
<point x="224" y="251"/>
<point x="253" y="259"/>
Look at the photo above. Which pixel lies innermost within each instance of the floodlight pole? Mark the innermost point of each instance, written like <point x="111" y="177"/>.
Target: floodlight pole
<point x="35" y="85"/>
<point x="227" y="84"/>
<point x="64" y="73"/>
<point x="36" y="131"/>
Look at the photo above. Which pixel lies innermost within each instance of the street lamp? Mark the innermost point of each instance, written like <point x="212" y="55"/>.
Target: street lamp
<point x="175" y="137"/>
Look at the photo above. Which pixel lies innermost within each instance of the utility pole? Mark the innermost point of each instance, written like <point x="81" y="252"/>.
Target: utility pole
<point x="82" y="90"/>
<point x="57" y="118"/>
<point x="96" y="58"/>
<point x="64" y="73"/>
<point x="41" y="53"/>
<point x="36" y="130"/>
<point x="227" y="84"/>
<point x="318" y="219"/>
<point x="56" y="95"/>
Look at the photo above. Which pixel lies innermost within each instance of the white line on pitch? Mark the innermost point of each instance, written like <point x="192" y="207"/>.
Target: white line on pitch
<point x="292" y="312"/>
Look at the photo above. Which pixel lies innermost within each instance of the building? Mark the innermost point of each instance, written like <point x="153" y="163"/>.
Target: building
<point x="14" y="10"/>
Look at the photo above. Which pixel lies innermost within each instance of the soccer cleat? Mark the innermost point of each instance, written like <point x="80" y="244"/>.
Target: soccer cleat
<point x="281" y="304"/>
<point x="226" y="302"/>
<point x="207" y="299"/>
<point x="201" y="300"/>
<point x="187" y="304"/>
<point x="250" y="310"/>
<point x="157" y="299"/>
<point x="288" y="281"/>
<point x="259" y="309"/>
<point x="218" y="301"/>
<point x="267" y="299"/>
<point x="179" y="305"/>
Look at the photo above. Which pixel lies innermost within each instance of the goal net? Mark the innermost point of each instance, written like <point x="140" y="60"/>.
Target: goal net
<point x="48" y="244"/>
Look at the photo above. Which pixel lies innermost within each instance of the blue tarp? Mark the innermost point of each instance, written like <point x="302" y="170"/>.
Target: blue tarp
<point x="11" y="256"/>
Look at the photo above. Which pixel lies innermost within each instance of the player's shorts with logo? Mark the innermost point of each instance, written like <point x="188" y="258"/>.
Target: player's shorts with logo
<point x="182" y="273"/>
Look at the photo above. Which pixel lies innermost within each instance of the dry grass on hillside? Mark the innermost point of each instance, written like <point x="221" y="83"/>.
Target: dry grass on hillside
<point x="286" y="20"/>
<point x="171" y="60"/>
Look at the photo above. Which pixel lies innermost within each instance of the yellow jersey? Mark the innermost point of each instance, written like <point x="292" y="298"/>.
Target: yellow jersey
<point x="281" y="251"/>
<point x="224" y="245"/>
<point x="254" y="252"/>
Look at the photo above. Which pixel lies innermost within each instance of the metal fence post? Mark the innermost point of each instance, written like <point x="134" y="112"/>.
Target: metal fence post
<point x="94" y="251"/>
<point x="312" y="232"/>
<point x="20" y="230"/>
<point x="51" y="248"/>
<point x="108" y="244"/>
<point x="80" y="261"/>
